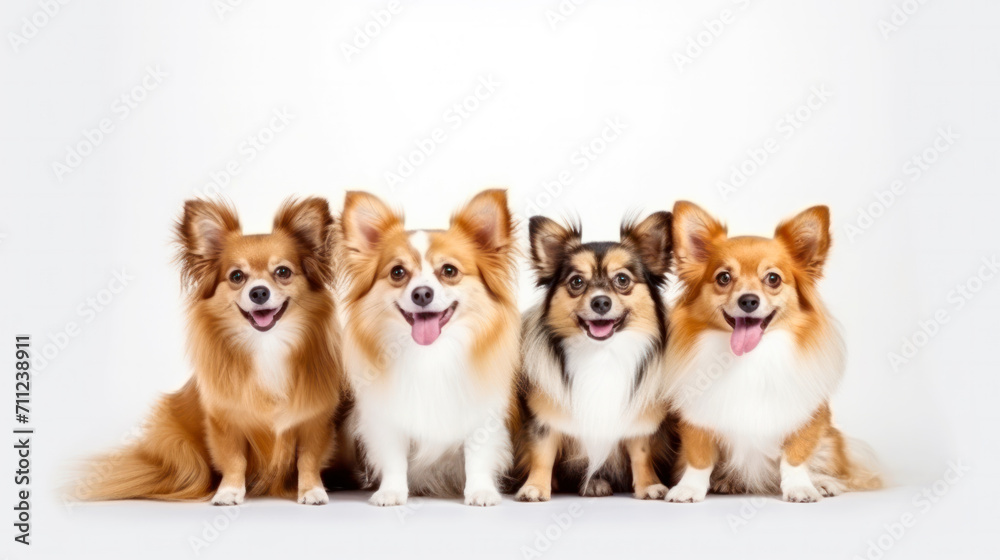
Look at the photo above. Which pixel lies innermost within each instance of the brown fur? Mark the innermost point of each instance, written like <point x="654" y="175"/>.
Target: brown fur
<point x="797" y="254"/>
<point x="225" y="423"/>
<point x="548" y="458"/>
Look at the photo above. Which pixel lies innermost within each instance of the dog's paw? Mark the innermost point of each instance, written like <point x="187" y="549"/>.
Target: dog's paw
<point x="684" y="494"/>
<point x="596" y="488"/>
<point x="229" y="496"/>
<point x="485" y="497"/>
<point x="830" y="488"/>
<point x="801" y="494"/>
<point x="531" y="493"/>
<point x="388" y="497"/>
<point x="315" y="496"/>
<point x="651" y="492"/>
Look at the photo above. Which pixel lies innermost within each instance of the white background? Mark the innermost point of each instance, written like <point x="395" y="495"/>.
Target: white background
<point x="63" y="236"/>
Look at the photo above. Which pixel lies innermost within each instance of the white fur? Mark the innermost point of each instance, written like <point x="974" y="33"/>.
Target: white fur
<point x="796" y="484"/>
<point x="425" y="415"/>
<point x="692" y="487"/>
<point x="229" y="496"/>
<point x="602" y="379"/>
<point x="757" y="400"/>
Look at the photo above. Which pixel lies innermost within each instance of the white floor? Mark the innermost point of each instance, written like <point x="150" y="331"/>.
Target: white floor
<point x="956" y="524"/>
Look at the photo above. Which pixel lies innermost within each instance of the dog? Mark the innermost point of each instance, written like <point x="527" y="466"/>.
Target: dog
<point x="431" y="348"/>
<point x="256" y="417"/>
<point x="752" y="360"/>
<point x="591" y="375"/>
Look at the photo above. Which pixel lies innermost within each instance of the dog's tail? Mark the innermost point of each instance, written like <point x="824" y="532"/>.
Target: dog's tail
<point x="170" y="461"/>
<point x="863" y="469"/>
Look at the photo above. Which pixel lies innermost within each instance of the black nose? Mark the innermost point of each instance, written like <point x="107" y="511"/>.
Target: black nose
<point x="259" y="294"/>
<point x="749" y="302"/>
<point x="423" y="296"/>
<point x="601" y="304"/>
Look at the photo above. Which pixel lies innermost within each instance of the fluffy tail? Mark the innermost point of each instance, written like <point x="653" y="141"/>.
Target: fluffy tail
<point x="169" y="461"/>
<point x="863" y="471"/>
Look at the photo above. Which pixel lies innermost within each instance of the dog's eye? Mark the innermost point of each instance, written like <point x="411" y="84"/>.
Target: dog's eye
<point x="236" y="276"/>
<point x="723" y="278"/>
<point x="576" y="282"/>
<point x="282" y="272"/>
<point x="773" y="280"/>
<point x="622" y="281"/>
<point x="449" y="271"/>
<point x="397" y="273"/>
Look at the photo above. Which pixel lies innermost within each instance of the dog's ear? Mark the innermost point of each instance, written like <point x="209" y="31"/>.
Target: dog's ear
<point x="486" y="220"/>
<point x="201" y="234"/>
<point x="807" y="237"/>
<point x="366" y="221"/>
<point x="550" y="243"/>
<point x="653" y="239"/>
<point x="311" y="224"/>
<point x="694" y="234"/>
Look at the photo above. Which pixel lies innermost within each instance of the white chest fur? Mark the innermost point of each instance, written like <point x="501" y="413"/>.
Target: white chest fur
<point x="430" y="395"/>
<point x="603" y="378"/>
<point x="271" y="351"/>
<point x="756" y="400"/>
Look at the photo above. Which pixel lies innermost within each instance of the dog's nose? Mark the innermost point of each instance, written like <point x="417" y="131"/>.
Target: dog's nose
<point x="259" y="294"/>
<point x="423" y="296"/>
<point x="601" y="304"/>
<point x="749" y="302"/>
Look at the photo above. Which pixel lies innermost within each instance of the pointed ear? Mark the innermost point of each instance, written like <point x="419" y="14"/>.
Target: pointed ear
<point x="201" y="235"/>
<point x="486" y="219"/>
<point x="311" y="224"/>
<point x="550" y="243"/>
<point x="807" y="237"/>
<point x="694" y="234"/>
<point x="653" y="239"/>
<point x="365" y="221"/>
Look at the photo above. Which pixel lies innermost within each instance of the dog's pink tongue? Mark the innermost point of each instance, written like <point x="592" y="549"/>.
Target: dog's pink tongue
<point x="426" y="328"/>
<point x="263" y="318"/>
<point x="601" y="329"/>
<point x="746" y="335"/>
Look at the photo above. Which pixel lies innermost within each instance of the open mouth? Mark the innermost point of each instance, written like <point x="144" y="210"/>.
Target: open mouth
<point x="264" y="319"/>
<point x="601" y="329"/>
<point x="747" y="331"/>
<point x="427" y="325"/>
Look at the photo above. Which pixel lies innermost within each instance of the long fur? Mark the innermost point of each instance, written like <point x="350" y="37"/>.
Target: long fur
<point x="759" y="422"/>
<point x="592" y="396"/>
<point x="421" y="411"/>
<point x="272" y="394"/>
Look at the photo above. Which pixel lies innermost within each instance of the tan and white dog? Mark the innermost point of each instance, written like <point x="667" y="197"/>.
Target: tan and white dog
<point x="753" y="359"/>
<point x="431" y="347"/>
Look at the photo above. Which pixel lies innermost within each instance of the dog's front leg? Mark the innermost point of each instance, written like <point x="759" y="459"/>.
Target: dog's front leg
<point x="487" y="454"/>
<point x="388" y="451"/>
<point x="228" y="448"/>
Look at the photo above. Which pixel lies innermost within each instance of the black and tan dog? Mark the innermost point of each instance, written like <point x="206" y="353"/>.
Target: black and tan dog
<point x="590" y="378"/>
